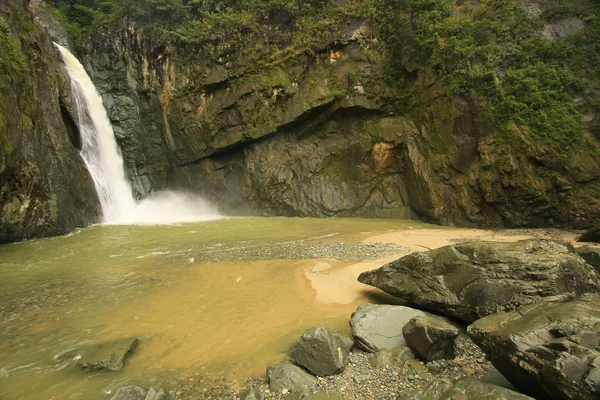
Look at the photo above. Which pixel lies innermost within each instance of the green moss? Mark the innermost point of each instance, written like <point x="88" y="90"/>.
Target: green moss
<point x="496" y="54"/>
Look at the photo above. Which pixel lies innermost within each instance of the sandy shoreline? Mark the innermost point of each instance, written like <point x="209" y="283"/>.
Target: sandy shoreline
<point x="335" y="282"/>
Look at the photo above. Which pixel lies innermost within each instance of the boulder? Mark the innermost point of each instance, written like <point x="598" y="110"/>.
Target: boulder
<point x="430" y="338"/>
<point x="377" y="327"/>
<point x="591" y="255"/>
<point x="138" y="393"/>
<point x="325" y="395"/>
<point x="465" y="389"/>
<point x="108" y="355"/>
<point x="250" y="394"/>
<point x="288" y="376"/>
<point x="547" y="350"/>
<point x="391" y="357"/>
<point x="592" y="235"/>
<point x="322" y="352"/>
<point x="474" y="279"/>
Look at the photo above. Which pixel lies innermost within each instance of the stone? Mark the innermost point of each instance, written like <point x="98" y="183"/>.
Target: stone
<point x="591" y="235"/>
<point x="288" y="376"/>
<point x="377" y="327"/>
<point x="322" y="352"/>
<point x="473" y="279"/>
<point x="430" y="338"/>
<point x="325" y="395"/>
<point x="391" y="357"/>
<point x="591" y="255"/>
<point x="138" y="393"/>
<point x="465" y="389"/>
<point x="250" y="394"/>
<point x="108" y="355"/>
<point x="547" y="350"/>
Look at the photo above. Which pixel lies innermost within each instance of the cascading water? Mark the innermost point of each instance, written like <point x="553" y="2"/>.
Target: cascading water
<point x="103" y="159"/>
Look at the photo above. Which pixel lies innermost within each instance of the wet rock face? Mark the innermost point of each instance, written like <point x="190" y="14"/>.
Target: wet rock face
<point x="474" y="279"/>
<point x="546" y="350"/>
<point x="317" y="135"/>
<point x="45" y="188"/>
<point x="322" y="352"/>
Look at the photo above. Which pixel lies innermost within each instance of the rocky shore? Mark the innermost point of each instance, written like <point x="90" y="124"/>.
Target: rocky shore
<point x="514" y="320"/>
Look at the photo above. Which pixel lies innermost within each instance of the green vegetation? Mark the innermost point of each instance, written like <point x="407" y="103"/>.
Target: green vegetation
<point x="217" y="27"/>
<point x="496" y="55"/>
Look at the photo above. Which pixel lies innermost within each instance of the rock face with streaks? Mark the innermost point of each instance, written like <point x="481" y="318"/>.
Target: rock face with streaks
<point x="430" y="338"/>
<point x="474" y="279"/>
<point x="322" y="352"/>
<point x="547" y="350"/>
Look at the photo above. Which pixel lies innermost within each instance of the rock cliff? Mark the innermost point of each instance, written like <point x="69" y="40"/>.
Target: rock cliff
<point x="44" y="185"/>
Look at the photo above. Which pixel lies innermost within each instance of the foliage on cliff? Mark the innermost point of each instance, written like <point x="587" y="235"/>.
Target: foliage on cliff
<point x="499" y="53"/>
<point x="217" y="27"/>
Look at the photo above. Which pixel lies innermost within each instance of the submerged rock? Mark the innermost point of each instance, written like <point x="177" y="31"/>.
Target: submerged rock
<point x="430" y="338"/>
<point x="474" y="279"/>
<point x="138" y="393"/>
<point x="288" y="376"/>
<point x="109" y="355"/>
<point x="546" y="350"/>
<point x="377" y="327"/>
<point x="465" y="389"/>
<point x="322" y="352"/>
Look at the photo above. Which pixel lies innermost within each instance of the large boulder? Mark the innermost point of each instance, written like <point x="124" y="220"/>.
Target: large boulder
<point x="430" y="338"/>
<point x="377" y="327"/>
<point x="465" y="389"/>
<point x="288" y="376"/>
<point x="322" y="352"/>
<point x="591" y="255"/>
<point x="547" y="350"/>
<point x="592" y="235"/>
<point x="108" y="355"/>
<point x="138" y="393"/>
<point x="474" y="279"/>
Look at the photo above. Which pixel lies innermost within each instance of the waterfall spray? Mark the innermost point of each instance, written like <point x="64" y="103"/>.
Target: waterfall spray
<point x="103" y="159"/>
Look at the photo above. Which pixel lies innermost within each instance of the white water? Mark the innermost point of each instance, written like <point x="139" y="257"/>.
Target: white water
<point x="101" y="154"/>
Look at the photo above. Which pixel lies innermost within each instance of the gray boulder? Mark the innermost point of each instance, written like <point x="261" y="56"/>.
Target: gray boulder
<point x="591" y="255"/>
<point x="322" y="352"/>
<point x="288" y="376"/>
<point x="377" y="327"/>
<point x="392" y="357"/>
<point x="250" y="394"/>
<point x="474" y="279"/>
<point x="138" y="393"/>
<point x="592" y="235"/>
<point x="547" y="350"/>
<point x="465" y="389"/>
<point x="430" y="338"/>
<point x="108" y="355"/>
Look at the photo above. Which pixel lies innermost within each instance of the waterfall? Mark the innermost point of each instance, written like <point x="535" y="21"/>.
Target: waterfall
<point x="103" y="159"/>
